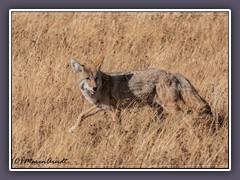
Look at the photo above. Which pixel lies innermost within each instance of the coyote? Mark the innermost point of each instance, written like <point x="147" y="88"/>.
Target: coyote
<point x="161" y="90"/>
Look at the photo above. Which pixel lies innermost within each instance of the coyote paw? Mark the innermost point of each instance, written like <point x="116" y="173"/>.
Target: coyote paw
<point x="72" y="129"/>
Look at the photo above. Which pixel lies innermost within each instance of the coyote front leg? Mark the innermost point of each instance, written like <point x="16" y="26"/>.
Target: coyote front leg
<point x="83" y="115"/>
<point x="116" y="116"/>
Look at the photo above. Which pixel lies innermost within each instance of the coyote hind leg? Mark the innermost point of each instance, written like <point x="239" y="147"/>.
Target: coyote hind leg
<point x="84" y="115"/>
<point x="168" y="96"/>
<point x="158" y="110"/>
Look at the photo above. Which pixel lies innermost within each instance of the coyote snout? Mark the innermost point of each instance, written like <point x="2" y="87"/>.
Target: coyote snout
<point x="161" y="90"/>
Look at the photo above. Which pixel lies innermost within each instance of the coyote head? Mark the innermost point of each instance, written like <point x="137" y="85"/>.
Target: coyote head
<point x="90" y="76"/>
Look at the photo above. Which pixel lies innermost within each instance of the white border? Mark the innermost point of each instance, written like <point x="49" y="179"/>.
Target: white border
<point x="113" y="10"/>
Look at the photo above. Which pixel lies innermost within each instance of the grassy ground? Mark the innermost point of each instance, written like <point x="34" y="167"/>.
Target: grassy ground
<point x="46" y="99"/>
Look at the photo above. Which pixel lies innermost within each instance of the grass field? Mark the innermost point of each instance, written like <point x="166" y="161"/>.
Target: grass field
<point x="46" y="99"/>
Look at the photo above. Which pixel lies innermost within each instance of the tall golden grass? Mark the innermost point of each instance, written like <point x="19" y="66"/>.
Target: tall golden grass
<point x="46" y="99"/>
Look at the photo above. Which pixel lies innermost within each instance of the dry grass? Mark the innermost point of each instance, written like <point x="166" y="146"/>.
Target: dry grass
<point x="46" y="100"/>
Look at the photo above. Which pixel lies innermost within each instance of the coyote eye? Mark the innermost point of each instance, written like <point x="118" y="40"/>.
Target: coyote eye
<point x="87" y="78"/>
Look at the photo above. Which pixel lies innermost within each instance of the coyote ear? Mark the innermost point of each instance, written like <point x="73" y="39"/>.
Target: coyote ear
<point x="76" y="66"/>
<point x="98" y="64"/>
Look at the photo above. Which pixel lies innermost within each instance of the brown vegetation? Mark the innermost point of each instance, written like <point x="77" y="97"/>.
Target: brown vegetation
<point x="46" y="100"/>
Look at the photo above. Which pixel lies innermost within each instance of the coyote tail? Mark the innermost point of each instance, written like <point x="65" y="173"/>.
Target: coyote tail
<point x="191" y="98"/>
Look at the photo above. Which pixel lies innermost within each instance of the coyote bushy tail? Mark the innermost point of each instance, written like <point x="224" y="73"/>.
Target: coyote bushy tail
<point x="191" y="98"/>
